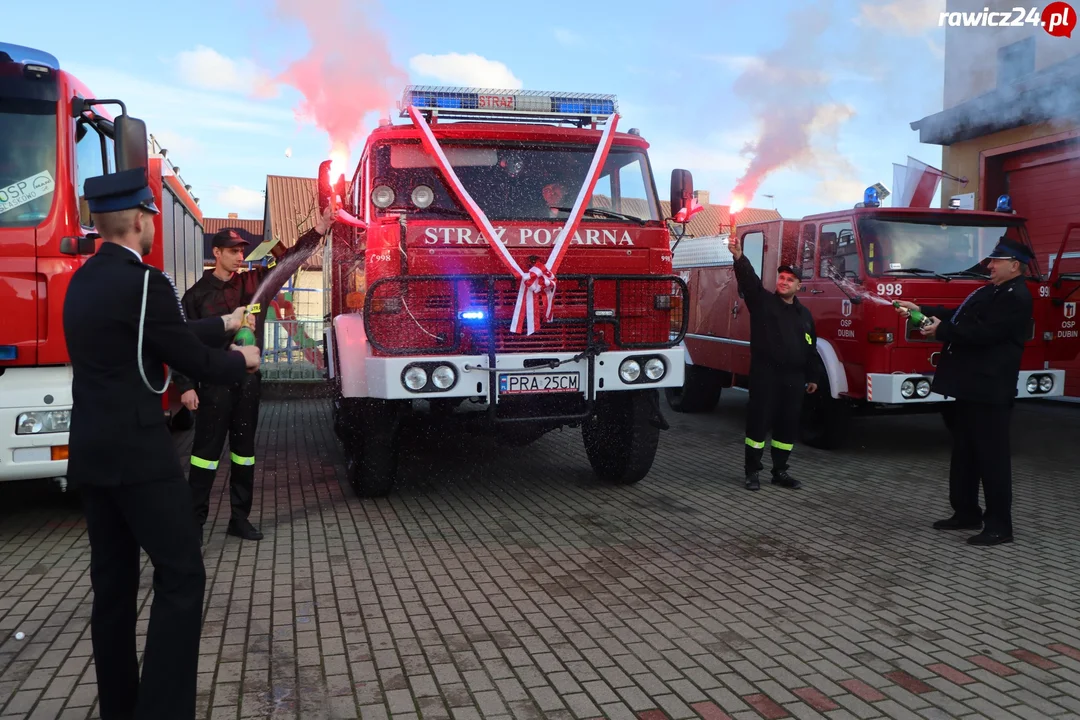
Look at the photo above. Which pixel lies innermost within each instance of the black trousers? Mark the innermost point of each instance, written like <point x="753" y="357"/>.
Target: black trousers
<point x="155" y="516"/>
<point x="776" y="398"/>
<point x="233" y="411"/>
<point x="981" y="452"/>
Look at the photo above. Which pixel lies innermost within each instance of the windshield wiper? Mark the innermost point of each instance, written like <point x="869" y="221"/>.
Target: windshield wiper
<point x="917" y="271"/>
<point x="606" y="213"/>
<point x="968" y="273"/>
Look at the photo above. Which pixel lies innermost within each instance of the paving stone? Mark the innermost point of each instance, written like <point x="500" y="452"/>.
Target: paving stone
<point x="484" y="587"/>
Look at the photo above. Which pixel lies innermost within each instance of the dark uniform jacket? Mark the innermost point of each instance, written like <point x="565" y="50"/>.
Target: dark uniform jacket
<point x="782" y="335"/>
<point x="211" y="296"/>
<point x="118" y="432"/>
<point x="980" y="360"/>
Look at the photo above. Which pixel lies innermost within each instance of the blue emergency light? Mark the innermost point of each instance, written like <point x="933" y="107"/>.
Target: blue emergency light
<point x="870" y="197"/>
<point x="492" y="102"/>
<point x="472" y="315"/>
<point x="1004" y="204"/>
<point x="8" y="352"/>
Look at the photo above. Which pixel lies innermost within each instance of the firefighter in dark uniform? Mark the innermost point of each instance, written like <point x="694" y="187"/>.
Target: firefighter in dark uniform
<point x="123" y="323"/>
<point x="784" y="366"/>
<point x="978" y="368"/>
<point x="231" y="409"/>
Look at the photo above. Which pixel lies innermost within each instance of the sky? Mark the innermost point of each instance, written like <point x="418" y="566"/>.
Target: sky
<point x="819" y="96"/>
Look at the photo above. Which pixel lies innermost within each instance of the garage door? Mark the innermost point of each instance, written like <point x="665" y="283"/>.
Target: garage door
<point x="1045" y="188"/>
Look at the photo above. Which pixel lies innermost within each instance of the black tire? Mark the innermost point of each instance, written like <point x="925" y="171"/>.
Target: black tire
<point x="700" y="391"/>
<point x="825" y="420"/>
<point x="620" y="440"/>
<point x="369" y="432"/>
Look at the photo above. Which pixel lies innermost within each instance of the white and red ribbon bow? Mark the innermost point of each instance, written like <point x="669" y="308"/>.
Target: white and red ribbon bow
<point x="536" y="290"/>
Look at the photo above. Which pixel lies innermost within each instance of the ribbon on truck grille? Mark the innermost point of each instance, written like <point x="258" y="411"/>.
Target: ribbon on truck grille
<point x="536" y="286"/>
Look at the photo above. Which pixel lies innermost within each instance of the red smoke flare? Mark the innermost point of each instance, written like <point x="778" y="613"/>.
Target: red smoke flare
<point x="347" y="73"/>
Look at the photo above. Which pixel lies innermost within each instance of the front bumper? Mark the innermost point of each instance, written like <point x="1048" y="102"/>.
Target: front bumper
<point x="887" y="388"/>
<point x="31" y="457"/>
<point x="383" y="377"/>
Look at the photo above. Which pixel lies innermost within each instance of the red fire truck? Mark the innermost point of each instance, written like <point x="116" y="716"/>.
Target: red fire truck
<point x="54" y="133"/>
<point x="511" y="269"/>
<point x="855" y="263"/>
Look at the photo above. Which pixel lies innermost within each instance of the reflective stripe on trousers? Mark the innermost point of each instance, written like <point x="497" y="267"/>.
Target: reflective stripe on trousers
<point x="204" y="464"/>
<point x="241" y="460"/>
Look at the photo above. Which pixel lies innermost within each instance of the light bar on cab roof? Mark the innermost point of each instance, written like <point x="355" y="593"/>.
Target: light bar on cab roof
<point x="464" y="101"/>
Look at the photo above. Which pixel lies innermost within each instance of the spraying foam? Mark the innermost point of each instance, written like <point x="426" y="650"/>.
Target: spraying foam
<point x="281" y="272"/>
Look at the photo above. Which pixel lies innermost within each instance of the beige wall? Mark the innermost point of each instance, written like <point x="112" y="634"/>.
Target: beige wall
<point x="971" y="52"/>
<point x="962" y="159"/>
<point x="309" y="304"/>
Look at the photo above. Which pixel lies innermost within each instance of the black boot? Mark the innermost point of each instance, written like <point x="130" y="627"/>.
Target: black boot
<point x="959" y="523"/>
<point x="752" y="482"/>
<point x="784" y="480"/>
<point x="241" y="528"/>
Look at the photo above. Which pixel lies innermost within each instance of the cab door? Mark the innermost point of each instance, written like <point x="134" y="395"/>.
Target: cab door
<point x="1064" y="288"/>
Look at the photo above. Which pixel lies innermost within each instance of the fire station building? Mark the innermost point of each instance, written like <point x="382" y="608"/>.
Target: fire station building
<point x="1011" y="125"/>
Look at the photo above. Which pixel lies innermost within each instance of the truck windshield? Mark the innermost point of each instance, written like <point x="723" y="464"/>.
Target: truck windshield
<point x="27" y="161"/>
<point x="519" y="182"/>
<point x="892" y="247"/>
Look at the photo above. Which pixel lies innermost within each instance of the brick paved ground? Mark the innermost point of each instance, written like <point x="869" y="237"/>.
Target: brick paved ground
<point x="479" y="592"/>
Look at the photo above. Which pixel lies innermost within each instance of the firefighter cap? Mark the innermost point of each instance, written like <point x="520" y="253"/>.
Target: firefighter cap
<point x="118" y="191"/>
<point x="228" y="238"/>
<point x="789" y="270"/>
<point x="1008" y="249"/>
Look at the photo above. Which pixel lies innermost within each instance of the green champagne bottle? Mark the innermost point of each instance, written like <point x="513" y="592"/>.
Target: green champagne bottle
<point x="916" y="318"/>
<point x="244" y="336"/>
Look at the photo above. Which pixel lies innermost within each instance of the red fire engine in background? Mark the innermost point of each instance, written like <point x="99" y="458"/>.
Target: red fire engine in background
<point x="54" y="133"/>
<point x="433" y="315"/>
<point x="854" y="264"/>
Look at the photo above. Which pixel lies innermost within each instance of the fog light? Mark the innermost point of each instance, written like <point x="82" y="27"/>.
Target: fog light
<point x="422" y="196"/>
<point x="630" y="371"/>
<point x="654" y="369"/>
<point x="907" y="389"/>
<point x="415" y="378"/>
<point x="382" y="196"/>
<point x="1046" y="383"/>
<point x="922" y="388"/>
<point x="443" y="377"/>
<point x="1032" y="384"/>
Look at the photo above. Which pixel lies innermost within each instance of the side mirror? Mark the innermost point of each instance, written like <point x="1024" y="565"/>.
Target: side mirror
<point x="130" y="143"/>
<point x="682" y="190"/>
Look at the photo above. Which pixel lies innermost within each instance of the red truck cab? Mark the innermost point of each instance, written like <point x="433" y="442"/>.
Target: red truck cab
<point x="855" y="263"/>
<point x="423" y="301"/>
<point x="51" y="139"/>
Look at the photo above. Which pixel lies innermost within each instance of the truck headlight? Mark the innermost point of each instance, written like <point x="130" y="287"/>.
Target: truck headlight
<point x="422" y="196"/>
<point x="654" y="369"/>
<point x="415" y="378"/>
<point x="630" y="371"/>
<point x="382" y="196"/>
<point x="1032" y="384"/>
<point x="922" y="388"/>
<point x="43" y="421"/>
<point x="443" y="377"/>
<point x="1046" y="383"/>
<point x="907" y="389"/>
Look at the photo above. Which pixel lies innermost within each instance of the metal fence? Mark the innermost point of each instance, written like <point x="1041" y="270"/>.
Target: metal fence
<point x="293" y="350"/>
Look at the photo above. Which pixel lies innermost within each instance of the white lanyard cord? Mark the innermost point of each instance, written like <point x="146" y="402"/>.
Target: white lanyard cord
<point x="142" y="322"/>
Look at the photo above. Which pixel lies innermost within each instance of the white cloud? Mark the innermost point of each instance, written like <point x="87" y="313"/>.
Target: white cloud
<point x="248" y="203"/>
<point x="208" y="69"/>
<point x="567" y="37"/>
<point x="470" y="70"/>
<point x="905" y="17"/>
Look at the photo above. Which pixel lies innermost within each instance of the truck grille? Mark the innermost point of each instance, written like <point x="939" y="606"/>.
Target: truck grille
<point x="420" y="314"/>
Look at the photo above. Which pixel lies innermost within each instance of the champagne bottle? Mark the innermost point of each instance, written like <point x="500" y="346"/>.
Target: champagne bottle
<point x="915" y="317"/>
<point x="245" y="335"/>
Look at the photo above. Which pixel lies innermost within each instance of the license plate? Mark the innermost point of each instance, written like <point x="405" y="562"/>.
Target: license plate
<point x="527" y="383"/>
